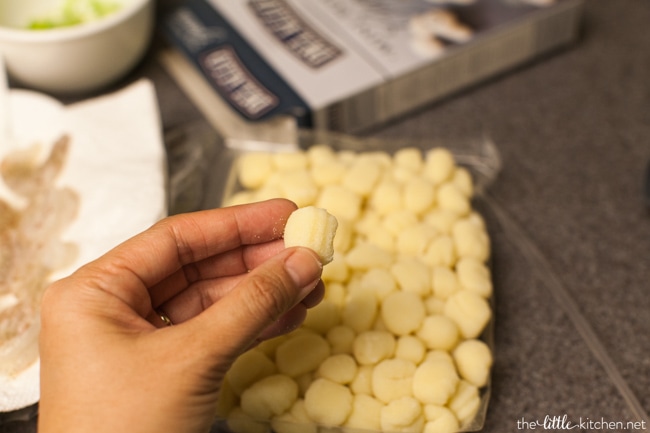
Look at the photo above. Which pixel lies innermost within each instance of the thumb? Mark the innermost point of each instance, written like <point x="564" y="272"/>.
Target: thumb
<point x="262" y="297"/>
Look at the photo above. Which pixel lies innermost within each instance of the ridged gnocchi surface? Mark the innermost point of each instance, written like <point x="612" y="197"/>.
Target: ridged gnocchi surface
<point x="396" y="343"/>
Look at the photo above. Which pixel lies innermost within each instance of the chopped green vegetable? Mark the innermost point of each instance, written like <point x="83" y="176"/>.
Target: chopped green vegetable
<point x="74" y="12"/>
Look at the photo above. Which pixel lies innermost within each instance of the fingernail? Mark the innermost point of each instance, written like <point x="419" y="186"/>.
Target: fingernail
<point x="304" y="268"/>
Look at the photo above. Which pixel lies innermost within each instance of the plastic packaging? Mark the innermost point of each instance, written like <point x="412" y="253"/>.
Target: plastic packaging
<point x="479" y="157"/>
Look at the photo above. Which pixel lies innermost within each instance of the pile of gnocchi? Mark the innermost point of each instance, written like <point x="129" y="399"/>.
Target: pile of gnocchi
<point x="396" y="345"/>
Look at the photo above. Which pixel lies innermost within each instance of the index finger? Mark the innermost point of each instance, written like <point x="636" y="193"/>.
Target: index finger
<point x="176" y="241"/>
<point x="203" y="234"/>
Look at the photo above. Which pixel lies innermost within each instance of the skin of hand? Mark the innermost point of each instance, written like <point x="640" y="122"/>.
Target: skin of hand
<point x="223" y="277"/>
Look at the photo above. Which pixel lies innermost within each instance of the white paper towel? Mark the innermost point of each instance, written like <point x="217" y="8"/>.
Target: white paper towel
<point x="117" y="166"/>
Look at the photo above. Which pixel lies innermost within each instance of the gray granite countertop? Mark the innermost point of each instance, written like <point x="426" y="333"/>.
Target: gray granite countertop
<point x="569" y="222"/>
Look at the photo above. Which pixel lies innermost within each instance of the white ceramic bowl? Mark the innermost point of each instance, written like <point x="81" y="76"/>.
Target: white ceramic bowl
<point x="76" y="59"/>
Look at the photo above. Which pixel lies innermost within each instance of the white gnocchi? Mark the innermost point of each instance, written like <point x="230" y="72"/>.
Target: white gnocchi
<point x="402" y="415"/>
<point x="313" y="350"/>
<point x="396" y="343"/>
<point x="435" y="381"/>
<point x="314" y="228"/>
<point x="269" y="397"/>
<point x="393" y="379"/>
<point x="328" y="403"/>
<point x="403" y="312"/>
<point x="365" y="414"/>
<point x="473" y="359"/>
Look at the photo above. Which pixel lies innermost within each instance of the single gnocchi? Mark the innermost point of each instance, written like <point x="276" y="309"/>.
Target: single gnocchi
<point x="403" y="415"/>
<point x="328" y="403"/>
<point x="270" y="396"/>
<point x="473" y="359"/>
<point x="365" y="414"/>
<point x="471" y="312"/>
<point x="360" y="310"/>
<point x="372" y="347"/>
<point x="438" y="332"/>
<point x="313" y="350"/>
<point x="340" y="368"/>
<point x="255" y="169"/>
<point x="435" y="381"/>
<point x="393" y="379"/>
<point x="250" y="367"/>
<point x="403" y="312"/>
<point x="314" y="228"/>
<point x="440" y="419"/>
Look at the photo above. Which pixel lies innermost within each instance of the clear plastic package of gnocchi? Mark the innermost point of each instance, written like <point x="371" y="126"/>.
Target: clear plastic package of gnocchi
<point x="402" y="341"/>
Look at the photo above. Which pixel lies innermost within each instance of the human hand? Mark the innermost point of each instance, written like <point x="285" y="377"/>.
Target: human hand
<point x="223" y="277"/>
